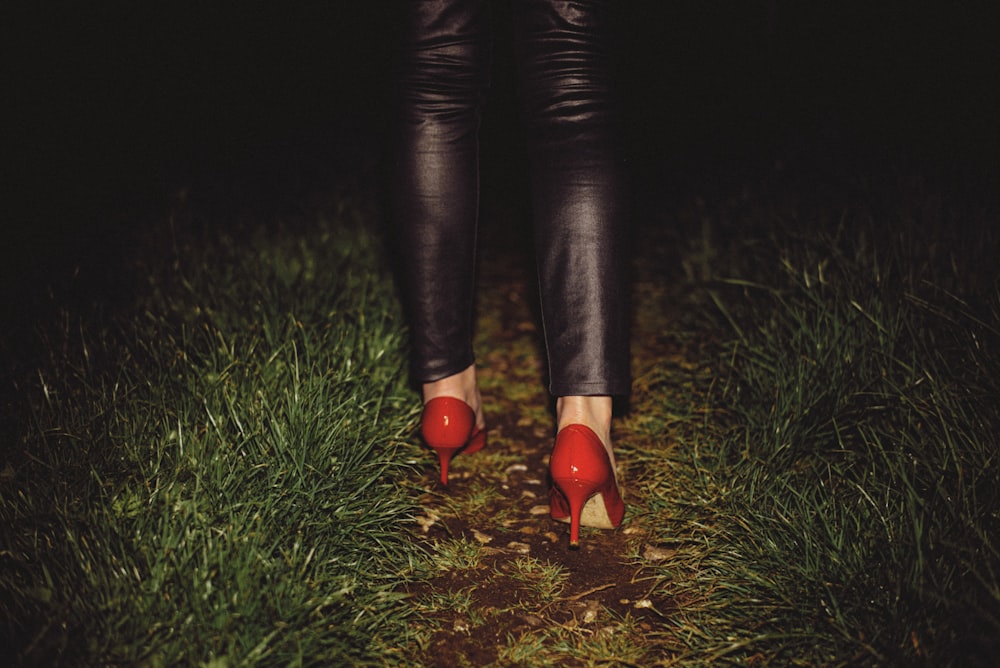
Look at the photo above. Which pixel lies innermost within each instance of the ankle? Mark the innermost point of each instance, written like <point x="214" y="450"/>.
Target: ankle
<point x="591" y="411"/>
<point x="461" y="385"/>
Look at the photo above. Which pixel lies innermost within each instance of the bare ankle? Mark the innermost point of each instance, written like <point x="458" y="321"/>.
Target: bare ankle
<point x="461" y="385"/>
<point x="591" y="411"/>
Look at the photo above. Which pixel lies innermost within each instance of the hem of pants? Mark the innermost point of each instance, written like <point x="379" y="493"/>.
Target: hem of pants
<point x="612" y="388"/>
<point x="422" y="375"/>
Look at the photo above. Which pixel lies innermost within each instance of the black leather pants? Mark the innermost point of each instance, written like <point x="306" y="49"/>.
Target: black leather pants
<point x="576" y="174"/>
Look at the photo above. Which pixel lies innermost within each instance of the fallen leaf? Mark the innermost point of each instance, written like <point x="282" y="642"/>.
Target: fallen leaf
<point x="427" y="521"/>
<point x="652" y="553"/>
<point x="590" y="614"/>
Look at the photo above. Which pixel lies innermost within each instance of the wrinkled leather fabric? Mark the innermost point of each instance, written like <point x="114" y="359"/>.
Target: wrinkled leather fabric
<point x="577" y="180"/>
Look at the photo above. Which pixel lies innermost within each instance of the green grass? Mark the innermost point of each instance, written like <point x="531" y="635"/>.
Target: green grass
<point x="213" y="475"/>
<point x="546" y="579"/>
<point x="218" y="471"/>
<point x="457" y="554"/>
<point x="611" y="644"/>
<point x="861" y="486"/>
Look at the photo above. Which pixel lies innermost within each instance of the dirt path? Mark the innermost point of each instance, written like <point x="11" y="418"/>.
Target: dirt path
<point x="508" y="590"/>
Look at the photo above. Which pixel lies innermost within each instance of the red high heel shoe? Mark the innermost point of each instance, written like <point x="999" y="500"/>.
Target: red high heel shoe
<point x="584" y="489"/>
<point x="449" y="425"/>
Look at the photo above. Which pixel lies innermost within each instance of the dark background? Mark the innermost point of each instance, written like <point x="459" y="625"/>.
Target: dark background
<point x="111" y="105"/>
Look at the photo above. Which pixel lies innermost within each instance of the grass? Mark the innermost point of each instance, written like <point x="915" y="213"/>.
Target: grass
<point x="866" y="464"/>
<point x="457" y="554"/>
<point x="223" y="469"/>
<point x="213" y="475"/>
<point x="547" y="578"/>
<point x="847" y="499"/>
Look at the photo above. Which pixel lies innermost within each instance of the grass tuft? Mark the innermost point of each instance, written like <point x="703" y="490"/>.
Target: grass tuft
<point x="211" y="476"/>
<point x="864" y="474"/>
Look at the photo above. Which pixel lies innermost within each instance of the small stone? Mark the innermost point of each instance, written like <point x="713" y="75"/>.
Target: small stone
<point x="539" y="510"/>
<point x="644" y="603"/>
<point x="528" y="494"/>
<point x="515" y="468"/>
<point x="551" y="535"/>
<point x="482" y="537"/>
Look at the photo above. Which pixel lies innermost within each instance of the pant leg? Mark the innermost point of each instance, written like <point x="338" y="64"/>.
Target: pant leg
<point x="434" y="180"/>
<point x="579" y="192"/>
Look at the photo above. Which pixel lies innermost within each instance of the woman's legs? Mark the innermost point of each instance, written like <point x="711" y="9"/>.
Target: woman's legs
<point x="577" y="185"/>
<point x="579" y="202"/>
<point x="443" y="75"/>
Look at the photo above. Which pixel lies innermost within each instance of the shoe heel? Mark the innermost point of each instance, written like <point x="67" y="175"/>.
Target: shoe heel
<point x="576" y="493"/>
<point x="444" y="457"/>
<point x="584" y="488"/>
